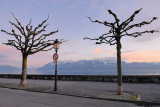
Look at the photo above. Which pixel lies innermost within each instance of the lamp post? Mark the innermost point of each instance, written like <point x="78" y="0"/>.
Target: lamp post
<point x="56" y="45"/>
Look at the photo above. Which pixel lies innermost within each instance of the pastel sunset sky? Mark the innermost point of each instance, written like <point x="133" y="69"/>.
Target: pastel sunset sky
<point x="70" y="18"/>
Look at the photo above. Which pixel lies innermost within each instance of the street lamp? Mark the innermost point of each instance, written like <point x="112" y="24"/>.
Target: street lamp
<point x="56" y="46"/>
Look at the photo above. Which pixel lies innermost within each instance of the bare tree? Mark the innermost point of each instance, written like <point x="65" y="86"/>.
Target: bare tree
<point x="116" y="32"/>
<point x="29" y="41"/>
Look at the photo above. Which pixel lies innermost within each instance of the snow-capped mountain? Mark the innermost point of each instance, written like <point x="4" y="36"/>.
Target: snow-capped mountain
<point x="100" y="67"/>
<point x="105" y="66"/>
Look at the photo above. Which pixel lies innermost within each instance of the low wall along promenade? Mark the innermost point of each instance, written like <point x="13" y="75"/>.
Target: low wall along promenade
<point x="102" y="78"/>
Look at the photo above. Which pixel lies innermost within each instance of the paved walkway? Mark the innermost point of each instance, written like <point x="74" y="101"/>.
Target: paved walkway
<point x="22" y="98"/>
<point x="149" y="93"/>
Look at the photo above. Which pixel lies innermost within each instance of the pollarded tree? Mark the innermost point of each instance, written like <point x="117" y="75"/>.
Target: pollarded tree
<point x="29" y="41"/>
<point x="116" y="32"/>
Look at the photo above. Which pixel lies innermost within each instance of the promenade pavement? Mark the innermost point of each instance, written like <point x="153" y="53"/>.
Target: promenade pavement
<point x="104" y="92"/>
<point x="22" y="98"/>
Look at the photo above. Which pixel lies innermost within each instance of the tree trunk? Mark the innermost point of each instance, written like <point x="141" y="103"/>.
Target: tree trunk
<point x="119" y="88"/>
<point x="24" y="71"/>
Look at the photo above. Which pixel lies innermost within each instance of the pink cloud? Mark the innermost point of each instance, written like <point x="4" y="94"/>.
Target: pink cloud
<point x="3" y="47"/>
<point x="142" y="56"/>
<point x="96" y="50"/>
<point x="9" y="51"/>
<point x="39" y="59"/>
<point x="11" y="56"/>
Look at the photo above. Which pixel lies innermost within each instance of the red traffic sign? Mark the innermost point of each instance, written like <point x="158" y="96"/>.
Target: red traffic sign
<point x="55" y="56"/>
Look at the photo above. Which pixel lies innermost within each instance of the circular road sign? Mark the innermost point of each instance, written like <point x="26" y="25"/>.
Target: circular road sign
<point x="55" y="56"/>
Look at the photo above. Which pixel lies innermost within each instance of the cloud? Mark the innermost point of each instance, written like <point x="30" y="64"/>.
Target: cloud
<point x="10" y="56"/>
<point x="3" y="47"/>
<point x="127" y="51"/>
<point x="96" y="50"/>
<point x="5" y="60"/>
<point x="142" y="56"/>
<point x="8" y="50"/>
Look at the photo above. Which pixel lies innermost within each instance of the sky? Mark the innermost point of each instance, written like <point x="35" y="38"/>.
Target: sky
<point x="70" y="18"/>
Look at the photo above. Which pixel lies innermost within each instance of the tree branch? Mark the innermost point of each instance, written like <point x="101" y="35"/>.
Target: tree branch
<point x="43" y="36"/>
<point x="43" y="29"/>
<point x="136" y="34"/>
<point x="22" y="31"/>
<point x="40" y="25"/>
<point x="130" y="19"/>
<point x="140" y="24"/>
<point x="13" y="43"/>
<point x="115" y="16"/>
<point x="107" y="39"/>
<point x="29" y="29"/>
<point x="104" y="23"/>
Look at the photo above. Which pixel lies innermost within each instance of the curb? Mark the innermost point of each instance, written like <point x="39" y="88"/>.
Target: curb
<point x="138" y="97"/>
<point x="138" y="102"/>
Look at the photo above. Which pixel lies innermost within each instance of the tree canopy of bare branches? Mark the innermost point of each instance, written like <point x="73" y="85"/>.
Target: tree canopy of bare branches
<point x="118" y="30"/>
<point x="30" y="40"/>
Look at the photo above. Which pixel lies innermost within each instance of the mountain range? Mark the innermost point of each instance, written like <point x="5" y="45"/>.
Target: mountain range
<point x="89" y="67"/>
<point x="6" y="69"/>
<point x="100" y="67"/>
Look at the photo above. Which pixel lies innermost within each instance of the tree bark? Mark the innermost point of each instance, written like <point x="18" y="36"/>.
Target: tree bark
<point x="119" y="88"/>
<point x="24" y="71"/>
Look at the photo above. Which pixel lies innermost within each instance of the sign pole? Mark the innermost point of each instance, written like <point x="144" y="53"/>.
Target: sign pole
<point x="55" y="83"/>
<point x="55" y="57"/>
<point x="56" y="45"/>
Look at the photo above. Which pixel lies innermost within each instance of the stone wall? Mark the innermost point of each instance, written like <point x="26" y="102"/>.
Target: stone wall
<point x="103" y="78"/>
